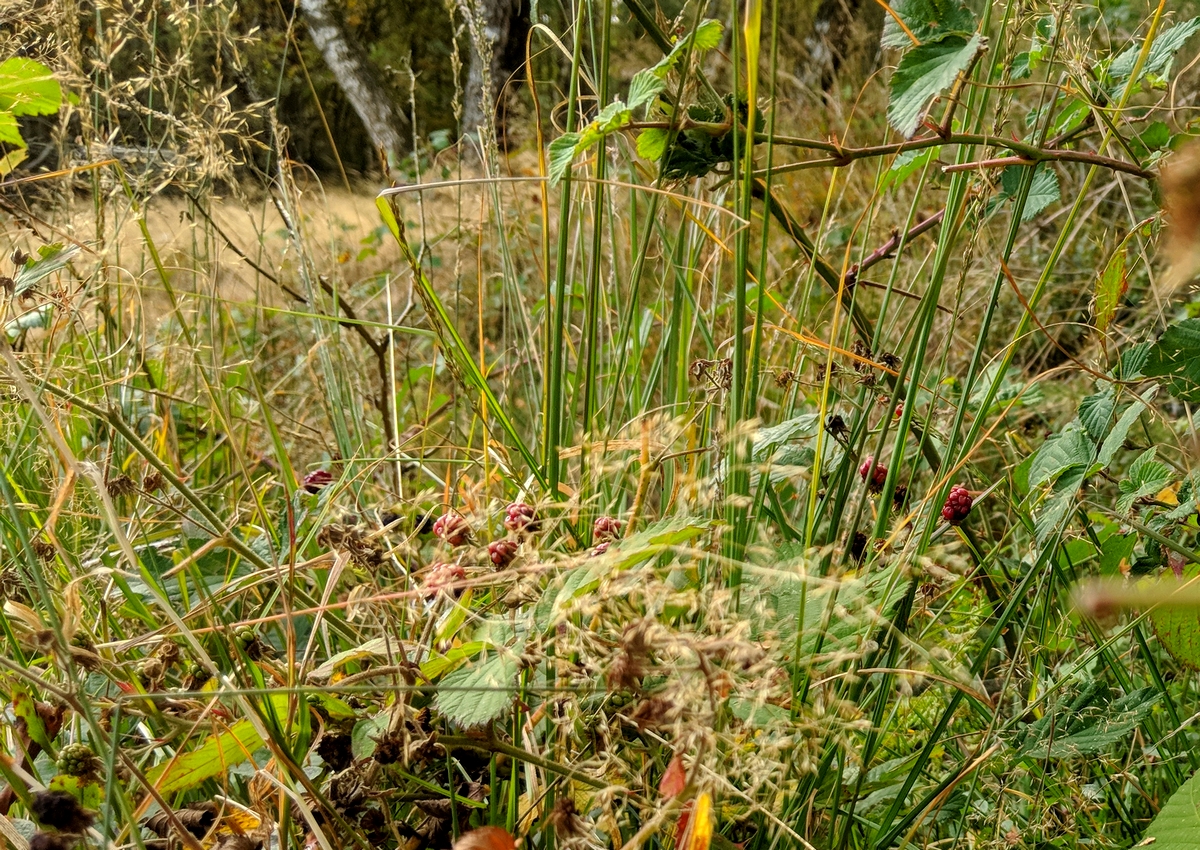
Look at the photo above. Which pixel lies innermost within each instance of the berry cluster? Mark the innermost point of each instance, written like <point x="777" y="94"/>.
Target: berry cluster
<point x="453" y="529"/>
<point x="77" y="760"/>
<point x="605" y="529"/>
<point x="501" y="552"/>
<point x="520" y="518"/>
<point x="317" y="480"/>
<point x="443" y="577"/>
<point x="873" y="473"/>
<point x="958" y="505"/>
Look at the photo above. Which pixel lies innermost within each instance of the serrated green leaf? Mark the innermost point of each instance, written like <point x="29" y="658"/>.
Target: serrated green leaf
<point x="928" y="20"/>
<point x="1043" y="191"/>
<point x="364" y="733"/>
<point x="1110" y="289"/>
<point x="1087" y="724"/>
<point x="923" y="74"/>
<point x="1095" y="413"/>
<point x="708" y="34"/>
<point x="1070" y="447"/>
<point x="561" y="155"/>
<point x="10" y="133"/>
<point x="1178" y="822"/>
<point x="1175" y="358"/>
<point x="473" y="695"/>
<point x="651" y="144"/>
<point x="1055" y="508"/>
<point x="907" y="164"/>
<point x="1116" y="437"/>
<point x="645" y="86"/>
<point x="1145" y="477"/>
<point x="28" y="88"/>
<point x="1162" y="53"/>
<point x="1133" y="361"/>
<point x="1178" y="626"/>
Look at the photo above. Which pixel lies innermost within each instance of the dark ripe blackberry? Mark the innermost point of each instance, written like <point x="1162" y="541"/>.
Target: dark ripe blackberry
<point x="335" y="751"/>
<point x="890" y="360"/>
<point x="59" y="810"/>
<point x="453" y="529"/>
<point x="424" y="523"/>
<point x="51" y="841"/>
<point x="875" y="474"/>
<point x="958" y="505"/>
<point x="317" y="480"/>
<point x="606" y="528"/>
<point x="900" y="496"/>
<point x="521" y="518"/>
<point x="858" y="546"/>
<point x="502" y="552"/>
<point x="77" y="760"/>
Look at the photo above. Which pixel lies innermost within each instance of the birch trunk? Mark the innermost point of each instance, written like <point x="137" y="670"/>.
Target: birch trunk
<point x="497" y="31"/>
<point x="383" y="122"/>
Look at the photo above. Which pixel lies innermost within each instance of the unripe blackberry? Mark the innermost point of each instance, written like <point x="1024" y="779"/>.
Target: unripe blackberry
<point x="958" y="505"/>
<point x="442" y="577"/>
<point x="317" y="480"/>
<point x="873" y="473"/>
<point x="245" y="635"/>
<point x="502" y="552"/>
<point x="521" y="518"/>
<point x="453" y="529"/>
<point x="606" y="528"/>
<point x="77" y="760"/>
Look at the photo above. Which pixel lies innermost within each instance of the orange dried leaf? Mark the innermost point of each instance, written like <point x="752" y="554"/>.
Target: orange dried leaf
<point x="486" y="838"/>
<point x="699" y="836"/>
<point x="674" y="778"/>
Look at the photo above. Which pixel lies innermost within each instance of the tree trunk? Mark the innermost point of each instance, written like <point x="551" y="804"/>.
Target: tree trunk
<point x="844" y="38"/>
<point x="383" y="121"/>
<point x="497" y="30"/>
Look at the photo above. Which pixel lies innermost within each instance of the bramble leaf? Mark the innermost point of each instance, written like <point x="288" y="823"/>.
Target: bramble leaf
<point x="924" y="73"/>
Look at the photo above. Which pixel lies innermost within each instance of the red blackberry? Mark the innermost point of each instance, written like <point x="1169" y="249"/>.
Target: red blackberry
<point x="958" y="505"/>
<point x="453" y="529"/>
<point x="442" y="577"/>
<point x="317" y="480"/>
<point x="502" y="552"/>
<point x="606" y="528"/>
<point x="600" y="548"/>
<point x="521" y="518"/>
<point x="873" y="473"/>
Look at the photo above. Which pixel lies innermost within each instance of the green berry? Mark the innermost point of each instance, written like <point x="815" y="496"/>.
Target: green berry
<point x="77" y="760"/>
